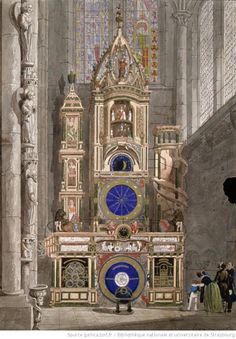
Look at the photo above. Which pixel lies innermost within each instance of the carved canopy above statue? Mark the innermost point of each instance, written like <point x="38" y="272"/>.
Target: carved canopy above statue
<point x="119" y="65"/>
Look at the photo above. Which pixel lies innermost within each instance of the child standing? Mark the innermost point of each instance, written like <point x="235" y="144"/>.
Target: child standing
<point x="193" y="298"/>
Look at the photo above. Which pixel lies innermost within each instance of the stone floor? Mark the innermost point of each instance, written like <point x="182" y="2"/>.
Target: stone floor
<point x="159" y="318"/>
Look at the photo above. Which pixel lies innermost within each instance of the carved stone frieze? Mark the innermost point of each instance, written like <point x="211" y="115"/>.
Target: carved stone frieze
<point x="27" y="248"/>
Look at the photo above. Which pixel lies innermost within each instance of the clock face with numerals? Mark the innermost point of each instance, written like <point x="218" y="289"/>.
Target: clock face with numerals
<point x="121" y="200"/>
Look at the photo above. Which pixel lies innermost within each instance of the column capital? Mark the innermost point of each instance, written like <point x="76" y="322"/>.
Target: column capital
<point x="181" y="17"/>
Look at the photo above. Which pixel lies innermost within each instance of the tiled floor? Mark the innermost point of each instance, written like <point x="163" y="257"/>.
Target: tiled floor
<point x="89" y="318"/>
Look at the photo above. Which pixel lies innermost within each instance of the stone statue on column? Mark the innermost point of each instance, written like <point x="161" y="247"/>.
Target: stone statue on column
<point x="30" y="198"/>
<point x="23" y="23"/>
<point x="28" y="110"/>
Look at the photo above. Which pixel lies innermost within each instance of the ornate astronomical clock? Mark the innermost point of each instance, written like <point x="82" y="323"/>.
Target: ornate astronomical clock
<point x="119" y="137"/>
<point x="123" y="251"/>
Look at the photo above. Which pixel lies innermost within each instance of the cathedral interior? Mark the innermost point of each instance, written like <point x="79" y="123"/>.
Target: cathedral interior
<point x="118" y="151"/>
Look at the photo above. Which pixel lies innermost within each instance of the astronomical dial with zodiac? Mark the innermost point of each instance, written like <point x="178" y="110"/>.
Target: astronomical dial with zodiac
<point x="121" y="199"/>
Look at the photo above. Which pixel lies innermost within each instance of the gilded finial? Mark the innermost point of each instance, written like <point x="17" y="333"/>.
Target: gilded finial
<point x="71" y="77"/>
<point x="119" y="18"/>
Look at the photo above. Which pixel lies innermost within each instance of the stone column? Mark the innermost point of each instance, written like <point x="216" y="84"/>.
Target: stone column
<point x="44" y="222"/>
<point x="28" y="39"/>
<point x="181" y="17"/>
<point x="15" y="312"/>
<point x="194" y="69"/>
<point x="11" y="157"/>
<point x="34" y="267"/>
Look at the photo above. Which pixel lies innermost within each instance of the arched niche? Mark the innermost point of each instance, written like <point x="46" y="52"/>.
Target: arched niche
<point x="121" y="118"/>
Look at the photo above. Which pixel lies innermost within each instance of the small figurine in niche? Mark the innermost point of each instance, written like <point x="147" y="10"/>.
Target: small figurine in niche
<point x="164" y="225"/>
<point x="130" y="115"/>
<point x="72" y="129"/>
<point x="110" y="247"/>
<point x="111" y="227"/>
<point x="111" y="133"/>
<point x="25" y="24"/>
<point x="112" y="115"/>
<point x="28" y="109"/>
<point x="179" y="226"/>
<point x="129" y="133"/>
<point x="104" y="246"/>
<point x="122" y="67"/>
<point x="71" y="172"/>
<point x="122" y="113"/>
<point x="71" y="208"/>
<point x="31" y="197"/>
<point x="75" y="227"/>
<point x="177" y="220"/>
<point x="134" y="227"/>
<point x="75" y="218"/>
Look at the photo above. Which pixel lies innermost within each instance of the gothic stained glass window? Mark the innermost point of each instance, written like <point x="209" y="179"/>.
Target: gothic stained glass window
<point x="206" y="61"/>
<point x="92" y="36"/>
<point x="229" y="48"/>
<point x="96" y="27"/>
<point x="142" y="33"/>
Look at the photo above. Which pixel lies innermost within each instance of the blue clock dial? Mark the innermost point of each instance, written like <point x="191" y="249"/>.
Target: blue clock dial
<point x="121" y="163"/>
<point x="121" y="200"/>
<point x="123" y="277"/>
<point x="121" y="274"/>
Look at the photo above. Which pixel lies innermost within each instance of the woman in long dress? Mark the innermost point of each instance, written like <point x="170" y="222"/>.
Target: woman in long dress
<point x="212" y="297"/>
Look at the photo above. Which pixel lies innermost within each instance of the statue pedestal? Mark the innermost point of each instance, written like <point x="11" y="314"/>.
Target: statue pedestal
<point x="15" y="313"/>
